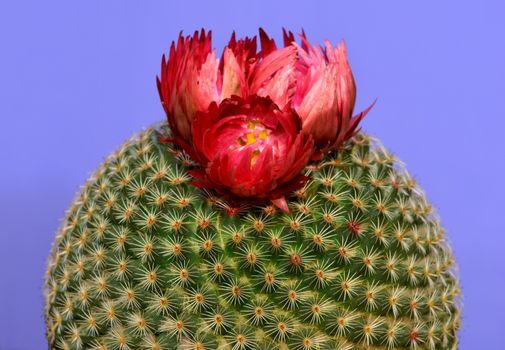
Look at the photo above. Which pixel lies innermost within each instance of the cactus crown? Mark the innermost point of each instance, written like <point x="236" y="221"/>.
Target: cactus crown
<point x="144" y="260"/>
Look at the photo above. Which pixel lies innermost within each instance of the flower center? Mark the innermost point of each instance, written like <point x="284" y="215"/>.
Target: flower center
<point x="255" y="135"/>
<point x="253" y="132"/>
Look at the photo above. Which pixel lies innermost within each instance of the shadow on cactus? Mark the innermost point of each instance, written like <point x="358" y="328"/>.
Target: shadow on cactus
<point x="258" y="217"/>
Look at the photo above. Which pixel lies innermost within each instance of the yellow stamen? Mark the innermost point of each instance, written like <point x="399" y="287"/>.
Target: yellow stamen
<point x="251" y="138"/>
<point x="254" y="156"/>
<point x="263" y="134"/>
<point x="251" y="124"/>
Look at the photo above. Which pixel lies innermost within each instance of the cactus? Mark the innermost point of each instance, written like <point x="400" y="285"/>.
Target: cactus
<point x="145" y="260"/>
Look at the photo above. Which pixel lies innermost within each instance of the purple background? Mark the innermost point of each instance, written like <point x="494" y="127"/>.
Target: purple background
<point x="77" y="78"/>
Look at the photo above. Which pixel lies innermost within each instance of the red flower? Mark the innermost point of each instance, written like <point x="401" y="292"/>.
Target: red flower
<point x="250" y="148"/>
<point x="320" y="86"/>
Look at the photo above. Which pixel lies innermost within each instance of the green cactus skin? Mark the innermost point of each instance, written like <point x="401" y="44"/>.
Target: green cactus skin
<point x="144" y="260"/>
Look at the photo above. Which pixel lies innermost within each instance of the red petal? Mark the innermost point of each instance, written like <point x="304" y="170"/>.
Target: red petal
<point x="267" y="44"/>
<point x="288" y="37"/>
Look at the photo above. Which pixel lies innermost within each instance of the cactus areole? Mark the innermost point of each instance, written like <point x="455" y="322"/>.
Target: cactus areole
<point x="257" y="217"/>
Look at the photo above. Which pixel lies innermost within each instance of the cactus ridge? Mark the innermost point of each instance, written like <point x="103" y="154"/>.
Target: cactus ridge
<point x="144" y="260"/>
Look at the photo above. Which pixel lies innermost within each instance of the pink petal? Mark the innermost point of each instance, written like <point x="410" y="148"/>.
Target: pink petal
<point x="270" y="65"/>
<point x="281" y="203"/>
<point x="233" y="77"/>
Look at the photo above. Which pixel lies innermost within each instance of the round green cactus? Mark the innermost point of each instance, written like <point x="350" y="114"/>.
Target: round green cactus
<point x="145" y="260"/>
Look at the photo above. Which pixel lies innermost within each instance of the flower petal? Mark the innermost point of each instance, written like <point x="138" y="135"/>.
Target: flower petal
<point x="281" y="203"/>
<point x="233" y="76"/>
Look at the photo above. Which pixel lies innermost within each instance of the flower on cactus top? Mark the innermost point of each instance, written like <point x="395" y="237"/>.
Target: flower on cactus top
<point x="253" y="119"/>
